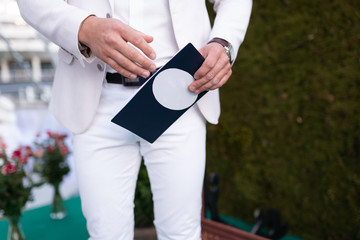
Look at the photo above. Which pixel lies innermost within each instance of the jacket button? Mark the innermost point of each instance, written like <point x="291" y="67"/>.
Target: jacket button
<point x="100" y="67"/>
<point x="108" y="15"/>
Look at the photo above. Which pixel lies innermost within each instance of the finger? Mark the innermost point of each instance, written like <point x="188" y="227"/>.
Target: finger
<point x="213" y="76"/>
<point x="208" y="64"/>
<point x="117" y="48"/>
<point x="200" y="74"/>
<point x="120" y="69"/>
<point x="218" y="81"/>
<point x="138" y="40"/>
<point x="136" y="57"/>
<point x="125" y="67"/>
<point x="223" y="80"/>
<point x="147" y="38"/>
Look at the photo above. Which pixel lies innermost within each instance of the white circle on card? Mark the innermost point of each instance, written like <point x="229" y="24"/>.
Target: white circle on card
<point x="170" y="88"/>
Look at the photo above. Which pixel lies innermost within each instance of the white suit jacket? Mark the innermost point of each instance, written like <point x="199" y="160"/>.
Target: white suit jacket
<point x="78" y="83"/>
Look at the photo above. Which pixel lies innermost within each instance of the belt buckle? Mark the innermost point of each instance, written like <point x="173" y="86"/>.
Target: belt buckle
<point x="128" y="82"/>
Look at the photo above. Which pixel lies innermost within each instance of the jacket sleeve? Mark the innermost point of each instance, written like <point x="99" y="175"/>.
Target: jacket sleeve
<point x="57" y="21"/>
<point x="231" y="21"/>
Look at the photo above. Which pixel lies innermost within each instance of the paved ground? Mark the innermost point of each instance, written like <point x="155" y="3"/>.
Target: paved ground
<point x="145" y="234"/>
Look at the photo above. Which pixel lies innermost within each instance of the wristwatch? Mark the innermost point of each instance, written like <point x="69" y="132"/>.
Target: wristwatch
<point x="228" y="48"/>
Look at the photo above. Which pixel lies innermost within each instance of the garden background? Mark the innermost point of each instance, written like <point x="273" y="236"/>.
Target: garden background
<point x="289" y="133"/>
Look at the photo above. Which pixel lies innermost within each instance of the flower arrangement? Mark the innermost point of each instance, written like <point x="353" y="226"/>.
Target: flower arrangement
<point x="16" y="182"/>
<point x="51" y="155"/>
<point x="17" y="174"/>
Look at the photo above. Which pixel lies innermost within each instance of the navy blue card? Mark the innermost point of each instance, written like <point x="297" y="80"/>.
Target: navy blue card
<point x="163" y="98"/>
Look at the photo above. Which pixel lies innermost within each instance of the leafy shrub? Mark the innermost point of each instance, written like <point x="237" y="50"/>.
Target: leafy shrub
<point x="289" y="134"/>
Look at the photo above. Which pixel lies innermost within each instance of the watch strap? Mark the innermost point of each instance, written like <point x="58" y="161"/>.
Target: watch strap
<point x="221" y="41"/>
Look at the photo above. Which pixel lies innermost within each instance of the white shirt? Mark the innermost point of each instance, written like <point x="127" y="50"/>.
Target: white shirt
<point x="152" y="18"/>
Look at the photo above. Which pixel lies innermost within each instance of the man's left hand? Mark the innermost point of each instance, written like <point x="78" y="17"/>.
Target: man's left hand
<point x="214" y="72"/>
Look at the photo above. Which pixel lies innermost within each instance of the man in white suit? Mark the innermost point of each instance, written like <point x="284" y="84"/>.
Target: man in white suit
<point x="129" y="39"/>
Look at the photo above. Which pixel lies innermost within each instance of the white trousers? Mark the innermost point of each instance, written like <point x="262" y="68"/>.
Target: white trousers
<point x="107" y="161"/>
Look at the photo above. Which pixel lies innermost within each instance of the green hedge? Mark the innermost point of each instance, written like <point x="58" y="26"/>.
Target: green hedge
<point x="289" y="134"/>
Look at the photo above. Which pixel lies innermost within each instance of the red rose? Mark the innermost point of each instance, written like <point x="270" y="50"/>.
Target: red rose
<point x="16" y="154"/>
<point x="59" y="143"/>
<point x="64" y="150"/>
<point x="8" y="168"/>
<point x="2" y="146"/>
<point x="28" y="151"/>
<point x="62" y="136"/>
<point x="50" y="149"/>
<point x="50" y="134"/>
<point x="38" y="153"/>
<point x="23" y="159"/>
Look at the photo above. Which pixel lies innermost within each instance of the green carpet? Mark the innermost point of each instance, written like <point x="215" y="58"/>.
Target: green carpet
<point x="37" y="224"/>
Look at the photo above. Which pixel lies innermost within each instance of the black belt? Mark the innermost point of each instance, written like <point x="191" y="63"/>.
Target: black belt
<point x="117" y="78"/>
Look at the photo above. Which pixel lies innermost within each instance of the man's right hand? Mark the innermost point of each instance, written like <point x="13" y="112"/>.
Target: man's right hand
<point x="108" y="40"/>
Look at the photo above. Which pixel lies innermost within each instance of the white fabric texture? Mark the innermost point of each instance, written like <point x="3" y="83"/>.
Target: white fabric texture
<point x="107" y="160"/>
